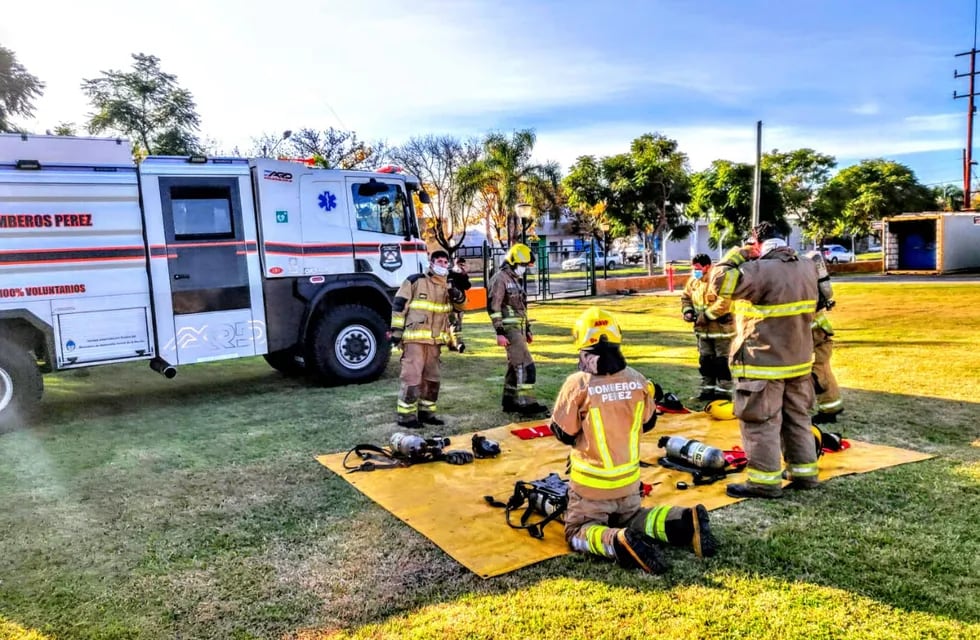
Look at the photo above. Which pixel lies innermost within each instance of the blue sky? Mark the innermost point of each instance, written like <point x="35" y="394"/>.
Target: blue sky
<point x="855" y="79"/>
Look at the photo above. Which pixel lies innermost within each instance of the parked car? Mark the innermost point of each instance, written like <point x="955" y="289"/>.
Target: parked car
<point x="835" y="253"/>
<point x="578" y="262"/>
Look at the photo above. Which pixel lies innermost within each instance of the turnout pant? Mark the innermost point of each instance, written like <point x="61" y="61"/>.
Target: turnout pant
<point x="521" y="373"/>
<point x="592" y="525"/>
<point x="774" y="418"/>
<point x="419" y="378"/>
<point x="713" y="365"/>
<point x="824" y="381"/>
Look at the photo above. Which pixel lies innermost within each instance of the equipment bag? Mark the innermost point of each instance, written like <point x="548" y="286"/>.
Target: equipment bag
<point x="547" y="498"/>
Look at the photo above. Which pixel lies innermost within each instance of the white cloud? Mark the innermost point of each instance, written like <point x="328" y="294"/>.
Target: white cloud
<point x="867" y="109"/>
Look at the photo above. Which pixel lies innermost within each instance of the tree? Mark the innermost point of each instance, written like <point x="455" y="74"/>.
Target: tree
<point x="948" y="197"/>
<point x="723" y="194"/>
<point x="65" y="129"/>
<point x="642" y="190"/>
<point x="866" y="192"/>
<point x="800" y="174"/>
<point x="147" y="104"/>
<point x="435" y="160"/>
<point x="18" y="90"/>
<point x="335" y="149"/>
<point x="502" y="177"/>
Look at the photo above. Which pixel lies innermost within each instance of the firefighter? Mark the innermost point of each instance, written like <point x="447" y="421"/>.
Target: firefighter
<point x="601" y="411"/>
<point x="458" y="278"/>
<point x="829" y="402"/>
<point x="507" y="306"/>
<point x="420" y="324"/>
<point x="775" y="296"/>
<point x="713" y="328"/>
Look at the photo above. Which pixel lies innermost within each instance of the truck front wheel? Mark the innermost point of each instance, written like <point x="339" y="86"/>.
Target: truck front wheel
<point x="348" y="346"/>
<point x="20" y="385"/>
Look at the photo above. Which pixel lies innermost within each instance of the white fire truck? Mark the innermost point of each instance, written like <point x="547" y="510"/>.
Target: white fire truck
<point x="183" y="260"/>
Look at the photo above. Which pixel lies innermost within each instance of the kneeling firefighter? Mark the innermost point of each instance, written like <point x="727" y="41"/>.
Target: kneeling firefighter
<point x="601" y="411"/>
<point x="507" y="306"/>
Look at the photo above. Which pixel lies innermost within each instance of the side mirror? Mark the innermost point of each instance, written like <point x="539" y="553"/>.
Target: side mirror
<point x="371" y="188"/>
<point x="424" y="197"/>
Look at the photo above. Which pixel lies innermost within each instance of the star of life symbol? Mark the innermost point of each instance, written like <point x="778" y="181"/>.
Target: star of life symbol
<point x="328" y="201"/>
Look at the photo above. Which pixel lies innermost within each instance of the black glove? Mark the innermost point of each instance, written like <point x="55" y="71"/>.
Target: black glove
<point x="395" y="336"/>
<point x="690" y="316"/>
<point x="725" y="319"/>
<point x="456" y="296"/>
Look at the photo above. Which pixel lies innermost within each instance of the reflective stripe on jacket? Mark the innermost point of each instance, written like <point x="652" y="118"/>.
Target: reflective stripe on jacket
<point x="702" y="300"/>
<point x="606" y="414"/>
<point x="776" y="298"/>
<point x="421" y="309"/>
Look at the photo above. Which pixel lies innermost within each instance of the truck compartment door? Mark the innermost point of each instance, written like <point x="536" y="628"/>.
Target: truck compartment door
<point x="207" y="258"/>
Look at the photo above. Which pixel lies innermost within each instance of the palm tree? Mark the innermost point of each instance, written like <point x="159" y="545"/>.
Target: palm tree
<point x="507" y="171"/>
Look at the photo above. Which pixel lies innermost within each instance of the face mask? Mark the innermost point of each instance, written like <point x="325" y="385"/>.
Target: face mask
<point x="438" y="270"/>
<point x="698" y="274"/>
<point x="519" y="270"/>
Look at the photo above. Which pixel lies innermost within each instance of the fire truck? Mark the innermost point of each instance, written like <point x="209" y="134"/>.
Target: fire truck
<point x="184" y="260"/>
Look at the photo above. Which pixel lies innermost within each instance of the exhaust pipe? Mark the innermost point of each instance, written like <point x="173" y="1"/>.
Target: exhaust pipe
<point x="163" y="367"/>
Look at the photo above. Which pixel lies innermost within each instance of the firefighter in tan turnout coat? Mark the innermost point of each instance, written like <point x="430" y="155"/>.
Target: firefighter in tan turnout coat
<point x="507" y="306"/>
<point x="829" y="402"/>
<point x="601" y="411"/>
<point x="713" y="328"/>
<point x="420" y="323"/>
<point x="775" y="297"/>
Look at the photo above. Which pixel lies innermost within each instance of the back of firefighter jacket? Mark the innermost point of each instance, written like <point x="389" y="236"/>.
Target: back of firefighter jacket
<point x="506" y="300"/>
<point x="606" y="414"/>
<point x="775" y="301"/>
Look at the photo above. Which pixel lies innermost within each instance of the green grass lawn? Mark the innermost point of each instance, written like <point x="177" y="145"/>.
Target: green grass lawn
<point x="141" y="507"/>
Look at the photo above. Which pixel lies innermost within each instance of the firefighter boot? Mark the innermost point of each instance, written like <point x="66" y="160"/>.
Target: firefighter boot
<point x="636" y="550"/>
<point x="427" y="405"/>
<point x="753" y="490"/>
<point x="825" y="418"/>
<point x="703" y="542"/>
<point x="409" y="421"/>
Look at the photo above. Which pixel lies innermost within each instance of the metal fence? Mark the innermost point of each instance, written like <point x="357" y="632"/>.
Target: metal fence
<point x="556" y="273"/>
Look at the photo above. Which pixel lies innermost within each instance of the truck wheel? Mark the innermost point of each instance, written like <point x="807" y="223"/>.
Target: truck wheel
<point x="285" y="362"/>
<point x="348" y="346"/>
<point x="20" y="385"/>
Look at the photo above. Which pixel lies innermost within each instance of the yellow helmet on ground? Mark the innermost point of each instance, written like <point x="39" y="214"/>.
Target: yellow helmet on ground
<point x="720" y="409"/>
<point x="519" y="254"/>
<point x="593" y="325"/>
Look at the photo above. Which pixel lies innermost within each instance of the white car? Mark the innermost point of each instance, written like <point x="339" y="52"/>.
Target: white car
<point x="578" y="262"/>
<point x="835" y="253"/>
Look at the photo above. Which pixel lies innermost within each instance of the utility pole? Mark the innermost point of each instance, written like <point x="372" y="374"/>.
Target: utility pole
<point x="757" y="182"/>
<point x="970" y="110"/>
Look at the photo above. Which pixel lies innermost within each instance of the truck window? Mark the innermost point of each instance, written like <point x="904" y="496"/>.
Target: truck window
<point x="383" y="212"/>
<point x="201" y="212"/>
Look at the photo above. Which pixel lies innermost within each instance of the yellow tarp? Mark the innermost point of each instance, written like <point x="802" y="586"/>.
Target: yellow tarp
<point x="445" y="502"/>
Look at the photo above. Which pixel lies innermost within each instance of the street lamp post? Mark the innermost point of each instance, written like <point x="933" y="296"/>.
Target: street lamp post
<point x="285" y="136"/>
<point x="605" y="251"/>
<point x="524" y="212"/>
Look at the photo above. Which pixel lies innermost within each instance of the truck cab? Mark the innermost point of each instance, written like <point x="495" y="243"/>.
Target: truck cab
<point x="186" y="260"/>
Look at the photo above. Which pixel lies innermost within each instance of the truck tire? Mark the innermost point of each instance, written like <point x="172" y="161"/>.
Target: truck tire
<point x="285" y="363"/>
<point x="348" y="346"/>
<point x="20" y="385"/>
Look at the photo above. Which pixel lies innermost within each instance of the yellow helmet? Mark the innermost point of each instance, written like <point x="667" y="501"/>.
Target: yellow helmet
<point x="720" y="409"/>
<point x="519" y="254"/>
<point x="593" y="325"/>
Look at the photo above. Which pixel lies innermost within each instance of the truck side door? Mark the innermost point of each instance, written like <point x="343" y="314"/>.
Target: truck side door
<point x="211" y="284"/>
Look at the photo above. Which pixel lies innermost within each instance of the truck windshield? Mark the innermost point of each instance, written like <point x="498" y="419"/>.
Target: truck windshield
<point x="383" y="212"/>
